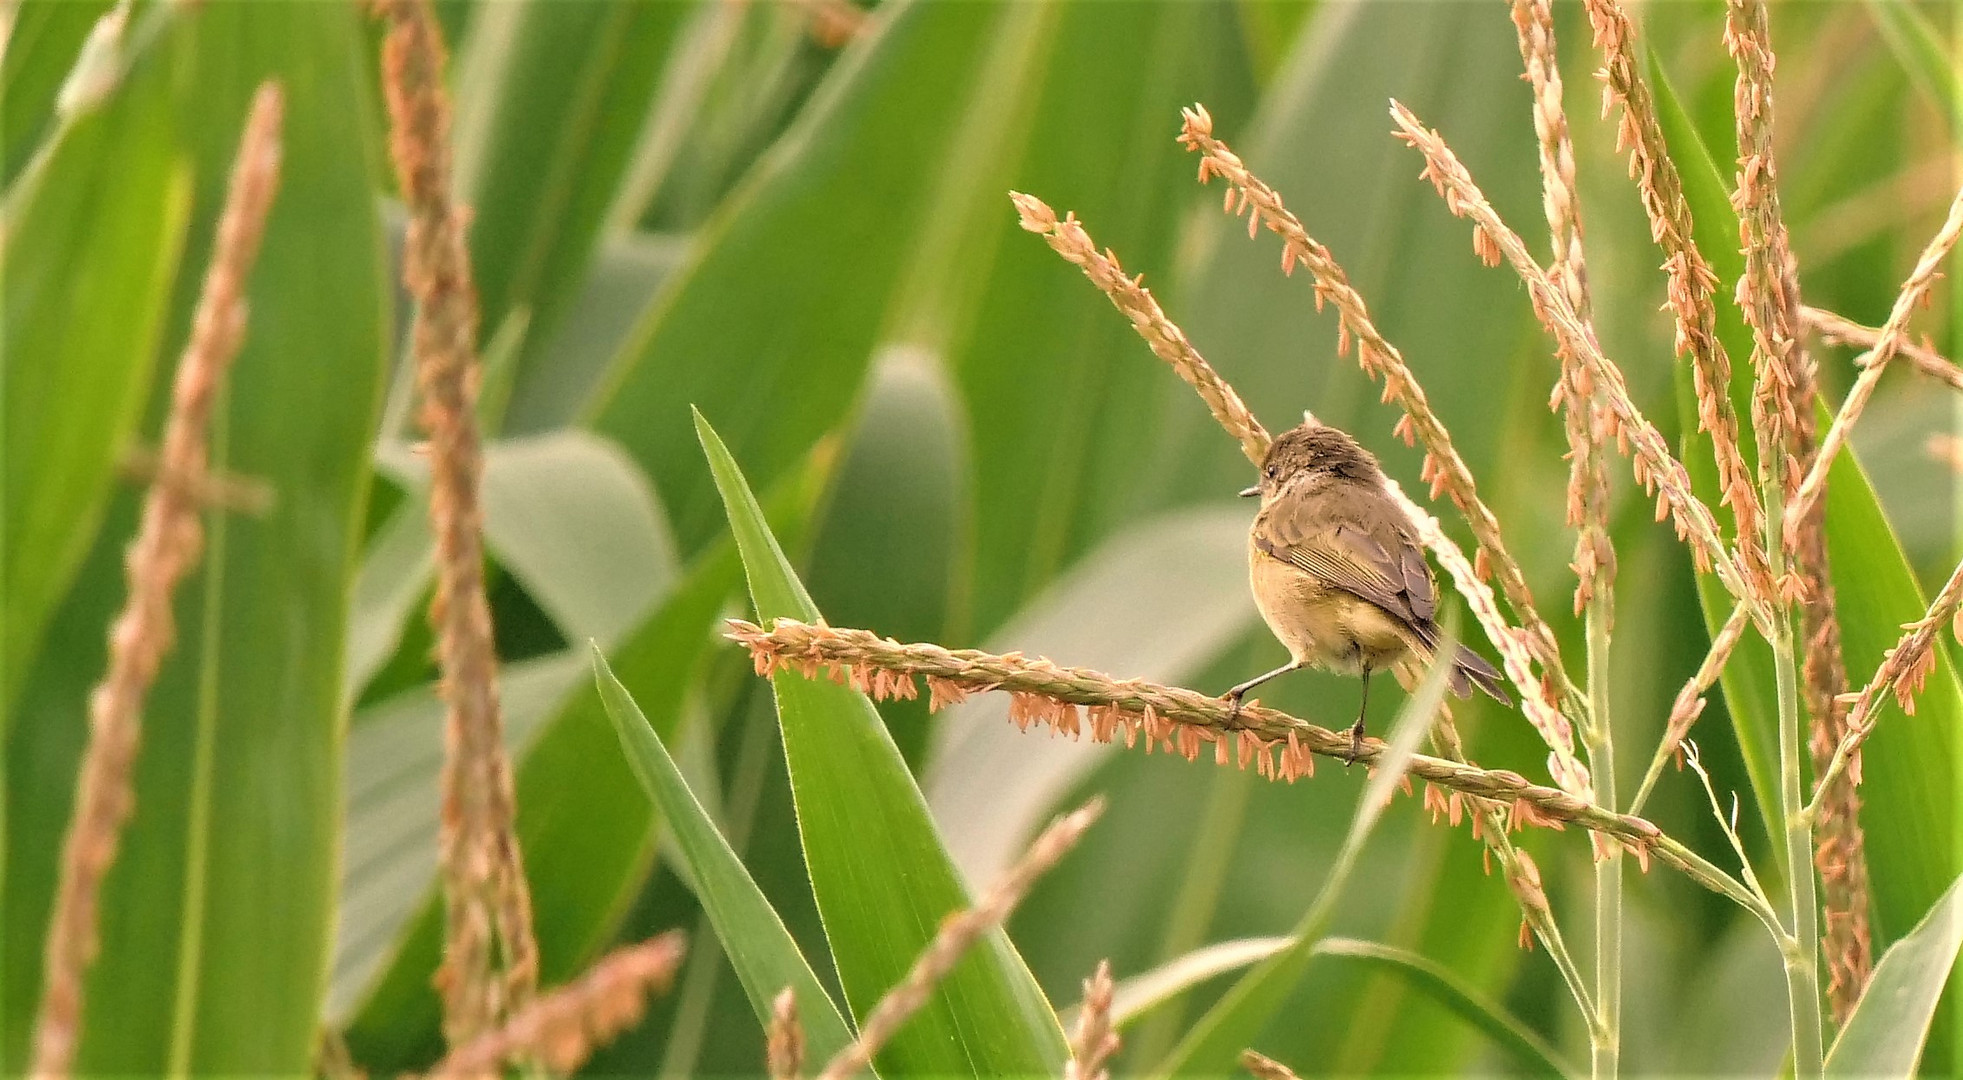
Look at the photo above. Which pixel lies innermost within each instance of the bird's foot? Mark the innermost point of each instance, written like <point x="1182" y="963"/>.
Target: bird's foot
<point x="1356" y="744"/>
<point x="1233" y="701"/>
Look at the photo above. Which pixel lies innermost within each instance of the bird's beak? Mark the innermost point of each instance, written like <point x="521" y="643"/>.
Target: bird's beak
<point x="1249" y="493"/>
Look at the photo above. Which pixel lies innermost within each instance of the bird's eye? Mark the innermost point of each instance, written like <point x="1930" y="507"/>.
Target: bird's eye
<point x="1273" y="472"/>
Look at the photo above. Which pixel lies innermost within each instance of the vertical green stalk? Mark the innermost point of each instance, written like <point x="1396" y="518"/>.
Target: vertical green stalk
<point x="1801" y="952"/>
<point x="1606" y="1033"/>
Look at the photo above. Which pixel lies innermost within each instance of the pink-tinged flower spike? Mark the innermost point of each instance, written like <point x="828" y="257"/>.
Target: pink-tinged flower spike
<point x="1585" y="419"/>
<point x="1692" y="283"/>
<point x="1901" y="673"/>
<point x="1656" y="470"/>
<point x="1443" y="468"/>
<point x="1888" y="341"/>
<point x="167" y="544"/>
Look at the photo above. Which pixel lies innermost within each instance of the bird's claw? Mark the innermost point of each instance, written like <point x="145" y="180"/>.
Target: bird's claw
<point x="1356" y="744"/>
<point x="1233" y="701"/>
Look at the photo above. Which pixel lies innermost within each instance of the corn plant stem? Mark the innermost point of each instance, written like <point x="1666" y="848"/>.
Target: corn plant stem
<point x="1606" y="1031"/>
<point x="1801" y="950"/>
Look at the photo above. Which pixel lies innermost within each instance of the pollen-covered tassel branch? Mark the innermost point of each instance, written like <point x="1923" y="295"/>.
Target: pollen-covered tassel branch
<point x="1585" y="419"/>
<point x="166" y="547"/>
<point x="1263" y="1067"/>
<point x="1183" y="720"/>
<point x="490" y="958"/>
<point x="1095" y="1040"/>
<point x="1902" y="672"/>
<point x="1922" y="355"/>
<point x="1655" y="468"/>
<point x="1888" y="341"/>
<point x="1692" y="283"/>
<point x="1445" y="470"/>
<point x="1769" y="291"/>
<point x="784" y="1052"/>
<point x="562" y="1029"/>
<point x="1067" y="236"/>
<point x="959" y="932"/>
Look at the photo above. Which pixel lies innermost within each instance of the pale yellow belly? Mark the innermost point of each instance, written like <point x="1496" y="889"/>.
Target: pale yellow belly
<point x="1330" y="628"/>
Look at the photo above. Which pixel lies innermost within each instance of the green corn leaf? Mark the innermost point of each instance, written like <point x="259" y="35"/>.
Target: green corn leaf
<point x="215" y="920"/>
<point x="753" y="937"/>
<point x="1884" y="1035"/>
<point x="881" y="878"/>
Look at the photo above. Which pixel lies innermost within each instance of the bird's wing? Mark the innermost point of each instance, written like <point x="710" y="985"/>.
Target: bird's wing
<point x="1344" y="554"/>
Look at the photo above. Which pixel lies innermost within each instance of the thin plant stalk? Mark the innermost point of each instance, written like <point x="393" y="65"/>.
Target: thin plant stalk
<point x="1586" y="420"/>
<point x="1181" y="721"/>
<point x="1606" y="1033"/>
<point x="166" y="547"/>
<point x="1801" y="950"/>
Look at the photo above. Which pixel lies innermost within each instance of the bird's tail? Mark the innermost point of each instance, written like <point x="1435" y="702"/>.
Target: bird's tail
<point x="1470" y="669"/>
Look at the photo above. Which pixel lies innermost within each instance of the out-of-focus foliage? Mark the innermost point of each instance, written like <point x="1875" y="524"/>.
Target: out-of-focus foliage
<point x="954" y="438"/>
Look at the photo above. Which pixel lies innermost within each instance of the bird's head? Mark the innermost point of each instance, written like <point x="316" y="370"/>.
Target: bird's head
<point x="1313" y="450"/>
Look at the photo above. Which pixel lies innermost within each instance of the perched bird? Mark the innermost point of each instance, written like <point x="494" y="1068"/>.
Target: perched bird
<point x="1338" y="572"/>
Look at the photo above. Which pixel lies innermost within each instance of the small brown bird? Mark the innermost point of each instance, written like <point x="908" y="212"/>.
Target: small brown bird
<point x="1339" y="574"/>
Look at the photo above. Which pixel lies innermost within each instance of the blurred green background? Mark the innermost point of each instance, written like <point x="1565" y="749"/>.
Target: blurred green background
<point x="716" y="204"/>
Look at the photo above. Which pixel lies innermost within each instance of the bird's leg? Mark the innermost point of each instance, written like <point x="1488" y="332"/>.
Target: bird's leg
<point x="1233" y="697"/>
<point x="1356" y="731"/>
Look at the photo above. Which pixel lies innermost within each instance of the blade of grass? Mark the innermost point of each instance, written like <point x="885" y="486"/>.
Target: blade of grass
<point x="1443" y="986"/>
<point x="90" y="260"/>
<point x="1921" y="52"/>
<point x="761" y="950"/>
<point x="1215" y="1043"/>
<point x="878" y="870"/>
<point x="1885" y="1033"/>
<point x="217" y="920"/>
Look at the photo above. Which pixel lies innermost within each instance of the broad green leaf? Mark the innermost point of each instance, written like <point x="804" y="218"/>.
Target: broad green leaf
<point x="753" y="937"/>
<point x="1215" y="1042"/>
<point x="1140" y="994"/>
<point x="216" y="917"/>
<point x="772" y="320"/>
<point x="90" y="259"/>
<point x="1271" y="28"/>
<point x="566" y="513"/>
<point x="1158" y="601"/>
<point x="881" y="878"/>
<point x="1910" y="766"/>
<point x="558" y="380"/>
<point x="41" y="49"/>
<point x="1884" y="1035"/>
<point x="1054" y="381"/>
<point x="563" y="513"/>
<point x="555" y="124"/>
<point x="394" y="757"/>
<point x="584" y="826"/>
<point x="1920" y="51"/>
<point x="395" y="573"/>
